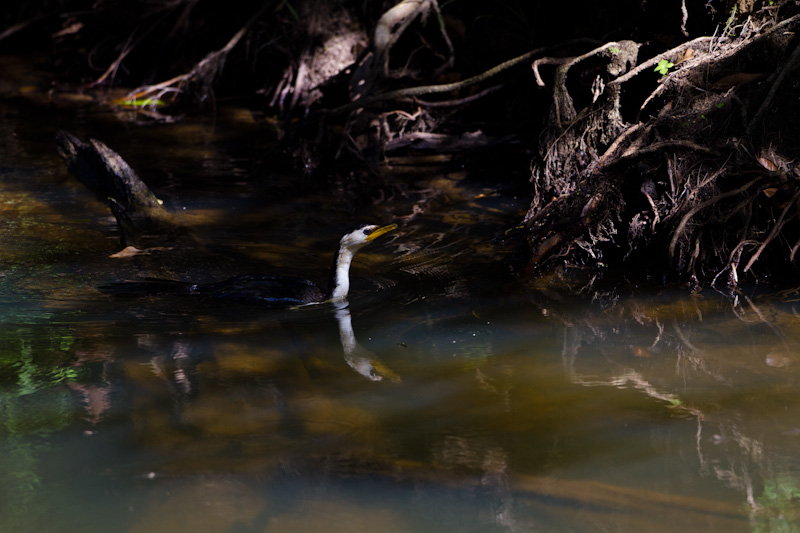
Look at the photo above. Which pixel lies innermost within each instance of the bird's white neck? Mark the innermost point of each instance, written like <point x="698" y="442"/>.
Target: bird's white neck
<point x="341" y="278"/>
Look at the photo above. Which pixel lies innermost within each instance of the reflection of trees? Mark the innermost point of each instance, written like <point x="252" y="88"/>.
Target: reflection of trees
<point x="727" y="364"/>
<point x="33" y="405"/>
<point x="485" y="425"/>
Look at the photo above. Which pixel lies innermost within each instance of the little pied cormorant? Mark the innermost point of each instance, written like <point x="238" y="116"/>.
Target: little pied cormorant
<point x="272" y="290"/>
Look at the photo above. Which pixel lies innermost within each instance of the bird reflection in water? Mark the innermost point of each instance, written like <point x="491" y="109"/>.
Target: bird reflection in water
<point x="360" y="359"/>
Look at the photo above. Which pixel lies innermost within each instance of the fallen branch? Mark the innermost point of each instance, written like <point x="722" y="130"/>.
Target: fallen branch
<point x="459" y="101"/>
<point x="16" y="28"/>
<point x="455" y="86"/>
<point x="204" y="72"/>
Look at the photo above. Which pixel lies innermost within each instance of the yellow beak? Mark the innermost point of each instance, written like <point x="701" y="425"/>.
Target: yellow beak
<point x="380" y="231"/>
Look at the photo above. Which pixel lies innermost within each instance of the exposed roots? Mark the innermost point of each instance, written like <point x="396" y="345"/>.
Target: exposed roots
<point x="691" y="177"/>
<point x="199" y="81"/>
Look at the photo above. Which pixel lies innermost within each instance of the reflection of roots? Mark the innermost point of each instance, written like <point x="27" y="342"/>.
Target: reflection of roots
<point x="728" y="447"/>
<point x="688" y="176"/>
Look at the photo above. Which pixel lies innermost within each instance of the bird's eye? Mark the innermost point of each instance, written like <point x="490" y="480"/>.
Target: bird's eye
<point x="367" y="231"/>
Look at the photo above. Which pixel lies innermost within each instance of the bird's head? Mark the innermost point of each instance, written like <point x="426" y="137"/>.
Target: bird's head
<point x="363" y="234"/>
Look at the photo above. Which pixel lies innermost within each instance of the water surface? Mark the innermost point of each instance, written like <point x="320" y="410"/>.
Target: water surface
<point x="447" y="396"/>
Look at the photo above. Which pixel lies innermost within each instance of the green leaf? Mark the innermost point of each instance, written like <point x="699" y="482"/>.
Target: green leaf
<point x="142" y="102"/>
<point x="663" y="67"/>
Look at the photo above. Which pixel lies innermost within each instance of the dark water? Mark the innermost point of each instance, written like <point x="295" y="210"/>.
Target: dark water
<point x="446" y="397"/>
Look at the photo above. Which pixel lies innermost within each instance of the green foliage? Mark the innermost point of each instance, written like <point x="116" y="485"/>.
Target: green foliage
<point x="37" y="365"/>
<point x="35" y="362"/>
<point x="143" y="102"/>
<point x="778" y="504"/>
<point x="663" y="67"/>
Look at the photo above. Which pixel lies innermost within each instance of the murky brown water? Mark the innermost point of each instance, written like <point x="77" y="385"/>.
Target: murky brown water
<point x="468" y="403"/>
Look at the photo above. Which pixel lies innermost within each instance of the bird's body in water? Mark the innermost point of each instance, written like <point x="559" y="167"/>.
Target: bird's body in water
<point x="270" y="290"/>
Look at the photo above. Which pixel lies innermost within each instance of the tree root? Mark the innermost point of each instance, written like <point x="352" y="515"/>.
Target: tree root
<point x="424" y="90"/>
<point x="680" y="230"/>
<point x="202" y="75"/>
<point x="776" y="228"/>
<point x="661" y="185"/>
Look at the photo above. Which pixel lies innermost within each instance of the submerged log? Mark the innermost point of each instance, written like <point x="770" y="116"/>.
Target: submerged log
<point x="104" y="172"/>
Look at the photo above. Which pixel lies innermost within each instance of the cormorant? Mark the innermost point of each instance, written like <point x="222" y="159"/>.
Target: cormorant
<point x="273" y="290"/>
